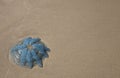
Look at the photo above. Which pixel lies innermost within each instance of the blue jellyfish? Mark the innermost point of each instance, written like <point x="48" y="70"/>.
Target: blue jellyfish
<point x="29" y="52"/>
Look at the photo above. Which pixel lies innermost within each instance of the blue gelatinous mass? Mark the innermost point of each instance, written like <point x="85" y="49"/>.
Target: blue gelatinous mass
<point x="29" y="52"/>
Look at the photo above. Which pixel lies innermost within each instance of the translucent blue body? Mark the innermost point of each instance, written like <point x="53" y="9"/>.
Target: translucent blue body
<point x="29" y="52"/>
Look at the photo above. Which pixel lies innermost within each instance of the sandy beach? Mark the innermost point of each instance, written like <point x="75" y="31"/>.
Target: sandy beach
<point x="83" y="35"/>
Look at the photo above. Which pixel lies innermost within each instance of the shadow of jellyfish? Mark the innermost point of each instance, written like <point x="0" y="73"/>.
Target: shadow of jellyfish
<point x="29" y="52"/>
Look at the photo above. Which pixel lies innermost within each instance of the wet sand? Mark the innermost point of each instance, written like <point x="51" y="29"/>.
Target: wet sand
<point x="83" y="35"/>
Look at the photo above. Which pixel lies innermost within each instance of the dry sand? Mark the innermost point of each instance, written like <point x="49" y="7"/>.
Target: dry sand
<point x="83" y="35"/>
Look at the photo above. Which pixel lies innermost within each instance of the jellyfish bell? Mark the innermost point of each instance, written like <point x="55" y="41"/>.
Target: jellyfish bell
<point x="29" y="52"/>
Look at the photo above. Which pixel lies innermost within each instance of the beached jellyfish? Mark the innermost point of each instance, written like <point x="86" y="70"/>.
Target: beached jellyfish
<point x="29" y="52"/>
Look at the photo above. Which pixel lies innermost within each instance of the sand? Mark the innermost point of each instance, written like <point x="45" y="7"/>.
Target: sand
<point x="83" y="35"/>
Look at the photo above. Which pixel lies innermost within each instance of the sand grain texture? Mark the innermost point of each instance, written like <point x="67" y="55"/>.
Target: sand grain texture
<point x="83" y="35"/>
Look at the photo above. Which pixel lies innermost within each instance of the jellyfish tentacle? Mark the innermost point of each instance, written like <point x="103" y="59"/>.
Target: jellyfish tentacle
<point x="34" y="40"/>
<point x="47" y="49"/>
<point x="45" y="55"/>
<point x="18" y="47"/>
<point x="37" y="58"/>
<point x="29" y="59"/>
<point x="23" y="57"/>
<point x="27" y="40"/>
<point x="39" y="47"/>
<point x="40" y="62"/>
